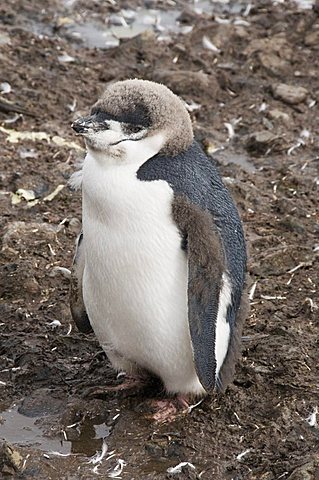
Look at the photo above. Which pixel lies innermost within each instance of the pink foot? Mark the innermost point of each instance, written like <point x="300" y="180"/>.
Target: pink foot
<point x="167" y="410"/>
<point x="130" y="383"/>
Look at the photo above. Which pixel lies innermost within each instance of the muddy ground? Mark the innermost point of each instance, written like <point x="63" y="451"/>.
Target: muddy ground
<point x="264" y="137"/>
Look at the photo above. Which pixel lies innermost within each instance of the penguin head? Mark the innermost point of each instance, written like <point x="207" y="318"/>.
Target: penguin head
<point x="136" y="116"/>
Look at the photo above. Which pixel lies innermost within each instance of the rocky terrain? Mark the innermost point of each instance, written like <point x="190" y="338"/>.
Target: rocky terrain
<point x="248" y="72"/>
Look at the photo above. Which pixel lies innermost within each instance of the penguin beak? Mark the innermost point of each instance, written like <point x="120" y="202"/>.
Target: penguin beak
<point x="84" y="125"/>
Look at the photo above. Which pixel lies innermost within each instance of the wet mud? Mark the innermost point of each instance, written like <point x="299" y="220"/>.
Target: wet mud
<point x="249" y="74"/>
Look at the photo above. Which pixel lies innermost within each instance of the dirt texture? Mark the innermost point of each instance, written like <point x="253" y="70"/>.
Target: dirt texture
<point x="250" y="75"/>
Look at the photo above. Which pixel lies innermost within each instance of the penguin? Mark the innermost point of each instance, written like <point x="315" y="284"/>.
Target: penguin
<point x="159" y="270"/>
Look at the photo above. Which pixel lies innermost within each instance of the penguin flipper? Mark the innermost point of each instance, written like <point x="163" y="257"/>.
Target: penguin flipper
<point x="206" y="265"/>
<point x="77" y="306"/>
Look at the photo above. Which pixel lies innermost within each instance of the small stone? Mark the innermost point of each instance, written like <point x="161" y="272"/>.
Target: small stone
<point x="312" y="39"/>
<point x="273" y="63"/>
<point x="260" y="142"/>
<point x="10" y="459"/>
<point x="308" y="471"/>
<point x="289" y="93"/>
<point x="278" y="115"/>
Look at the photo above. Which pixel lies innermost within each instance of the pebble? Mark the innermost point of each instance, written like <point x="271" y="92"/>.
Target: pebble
<point x="289" y="93"/>
<point x="260" y="142"/>
<point x="312" y="39"/>
<point x="276" y="114"/>
<point x="273" y="63"/>
<point x="308" y="471"/>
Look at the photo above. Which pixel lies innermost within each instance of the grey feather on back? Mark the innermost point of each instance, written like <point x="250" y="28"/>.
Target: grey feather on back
<point x="77" y="306"/>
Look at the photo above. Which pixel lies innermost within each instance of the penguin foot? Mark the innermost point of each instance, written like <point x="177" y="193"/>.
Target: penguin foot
<point x="167" y="410"/>
<point x="130" y="383"/>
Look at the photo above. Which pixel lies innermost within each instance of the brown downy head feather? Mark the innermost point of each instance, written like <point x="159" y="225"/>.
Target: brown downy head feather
<point x="159" y="107"/>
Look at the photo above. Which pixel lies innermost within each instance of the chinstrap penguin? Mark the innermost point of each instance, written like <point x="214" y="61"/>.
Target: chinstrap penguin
<point x="160" y="264"/>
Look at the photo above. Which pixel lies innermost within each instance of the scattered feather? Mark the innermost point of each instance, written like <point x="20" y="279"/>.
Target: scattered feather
<point x="209" y="45"/>
<point x="55" y="324"/>
<point x="59" y="454"/>
<point x="252" y="291"/>
<point x="230" y="129"/>
<point x="312" y="419"/>
<point x="69" y="330"/>
<point x="305" y="133"/>
<point x="263" y="107"/>
<point x="313" y="305"/>
<point x="13" y="119"/>
<point x="292" y="270"/>
<point x="185" y="29"/>
<point x="98" y="457"/>
<point x="191" y="407"/>
<point x="247" y="9"/>
<point x="222" y="21"/>
<point x="117" y="470"/>
<point x="72" y="106"/>
<point x="270" y="297"/>
<point x="51" y="250"/>
<point x="65" y="271"/>
<point x="241" y="22"/>
<point x="241" y="455"/>
<point x="178" y="468"/>
<point x="290" y="279"/>
<point x="65" y="58"/>
<point x="55" y="192"/>
<point x="5" y="88"/>
<point x="192" y="106"/>
<point x="73" y="425"/>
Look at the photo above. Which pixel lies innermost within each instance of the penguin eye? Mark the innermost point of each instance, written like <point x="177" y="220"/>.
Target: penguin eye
<point x="130" y="128"/>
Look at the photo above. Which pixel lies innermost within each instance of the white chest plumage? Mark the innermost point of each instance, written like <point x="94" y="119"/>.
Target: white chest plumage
<point x="135" y="277"/>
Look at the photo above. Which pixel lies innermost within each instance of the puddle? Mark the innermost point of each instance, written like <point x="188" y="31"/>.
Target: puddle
<point x="18" y="429"/>
<point x="129" y="23"/>
<point x="305" y="4"/>
<point x="93" y="34"/>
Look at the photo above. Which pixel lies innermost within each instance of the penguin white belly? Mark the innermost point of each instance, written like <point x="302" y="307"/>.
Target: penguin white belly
<point x="135" y="277"/>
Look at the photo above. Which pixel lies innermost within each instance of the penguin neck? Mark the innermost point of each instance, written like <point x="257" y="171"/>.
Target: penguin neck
<point x="129" y="152"/>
